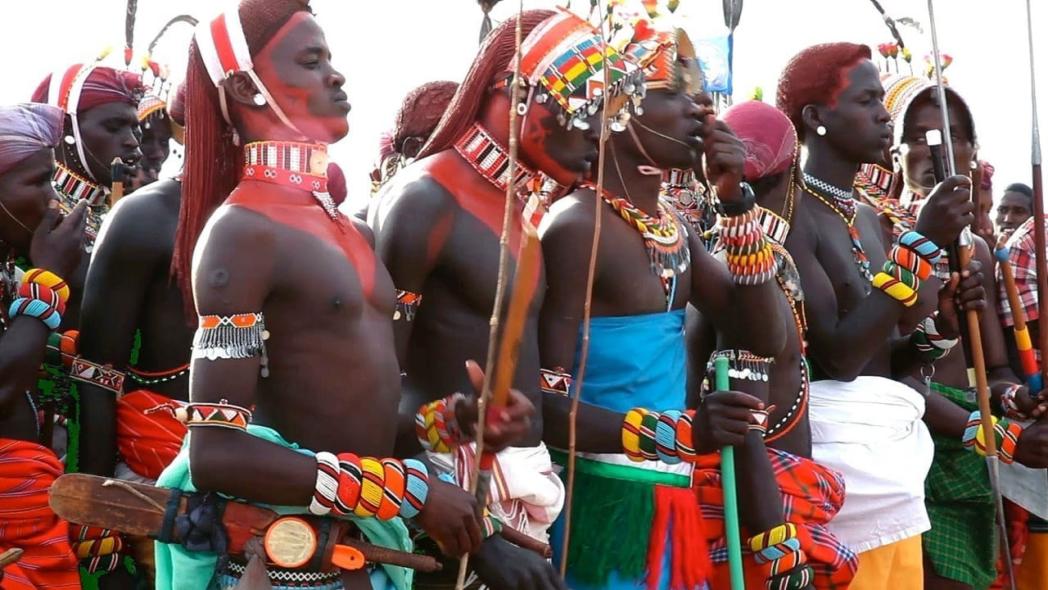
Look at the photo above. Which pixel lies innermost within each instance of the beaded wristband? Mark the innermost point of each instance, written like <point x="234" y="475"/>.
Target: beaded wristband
<point x="796" y="579"/>
<point x="103" y="376"/>
<point x="372" y="487"/>
<point x="773" y="536"/>
<point x="416" y="488"/>
<point x="777" y="552"/>
<point x="901" y="274"/>
<point x="350" y="478"/>
<point x="631" y="429"/>
<point x="436" y="428"/>
<point x="785" y="564"/>
<point x="392" y="490"/>
<point x="685" y="437"/>
<point x="47" y="279"/>
<point x="666" y="437"/>
<point x="98" y="559"/>
<point x="326" y="488"/>
<point x="648" y="423"/>
<point x="1008" y="404"/>
<point x="35" y="308"/>
<point x="1006" y="435"/>
<point x="749" y="256"/>
<point x="924" y="247"/>
<point x="895" y="289"/>
<point x="42" y="293"/>
<point x="911" y="261"/>
<point x="221" y="415"/>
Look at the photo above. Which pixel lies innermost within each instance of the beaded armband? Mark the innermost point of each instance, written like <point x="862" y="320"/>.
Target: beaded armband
<point x="1006" y="434"/>
<point x="221" y="415"/>
<point x="556" y="381"/>
<point x="658" y="436"/>
<point x="437" y="428"/>
<point x="103" y="376"/>
<point x="406" y="305"/>
<point x="368" y="487"/>
<point x="237" y="336"/>
<point x="742" y="364"/>
<point x="749" y="255"/>
<point x="929" y="343"/>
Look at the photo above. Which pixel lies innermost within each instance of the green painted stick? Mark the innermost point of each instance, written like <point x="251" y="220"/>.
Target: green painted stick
<point x="731" y="499"/>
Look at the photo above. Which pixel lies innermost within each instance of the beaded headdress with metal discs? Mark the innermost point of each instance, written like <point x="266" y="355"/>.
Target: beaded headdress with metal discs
<point x="563" y="61"/>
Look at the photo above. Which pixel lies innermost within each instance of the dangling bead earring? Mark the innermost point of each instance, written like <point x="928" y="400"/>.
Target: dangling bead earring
<point x="69" y="139"/>
<point x="258" y="99"/>
<point x="821" y="130"/>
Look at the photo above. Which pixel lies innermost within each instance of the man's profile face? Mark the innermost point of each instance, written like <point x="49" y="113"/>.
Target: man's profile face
<point x="25" y="191"/>
<point x="296" y="67"/>
<point x="673" y="137"/>
<point x="857" y="122"/>
<point x="156" y="144"/>
<point x="565" y="155"/>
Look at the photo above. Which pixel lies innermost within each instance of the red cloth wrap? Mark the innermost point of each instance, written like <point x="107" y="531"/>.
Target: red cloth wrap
<point x="147" y="434"/>
<point x="27" y="470"/>
<point x="103" y="86"/>
<point x="811" y="496"/>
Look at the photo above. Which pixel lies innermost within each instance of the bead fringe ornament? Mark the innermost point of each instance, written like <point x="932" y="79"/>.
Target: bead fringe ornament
<point x="237" y="336"/>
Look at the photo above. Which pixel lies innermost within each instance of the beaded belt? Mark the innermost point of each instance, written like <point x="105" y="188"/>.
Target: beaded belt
<point x="282" y="577"/>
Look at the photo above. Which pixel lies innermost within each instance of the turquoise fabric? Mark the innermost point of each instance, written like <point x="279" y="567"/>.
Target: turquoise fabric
<point x="178" y="569"/>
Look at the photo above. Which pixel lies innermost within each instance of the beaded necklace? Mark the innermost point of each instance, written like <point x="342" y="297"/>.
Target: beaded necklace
<point x="664" y="237"/>
<point x="842" y="203"/>
<point x="296" y="165"/>
<point x="490" y="159"/>
<point x="689" y="197"/>
<point x="71" y="187"/>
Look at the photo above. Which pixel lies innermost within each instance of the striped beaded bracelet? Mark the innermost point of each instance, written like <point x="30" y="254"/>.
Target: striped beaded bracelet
<point x="35" y="308"/>
<point x="437" y="428"/>
<point x="658" y="436"/>
<point x="46" y="278"/>
<point x="368" y="487"/>
<point x="796" y="579"/>
<point x="1006" y="435"/>
<point x="924" y="247"/>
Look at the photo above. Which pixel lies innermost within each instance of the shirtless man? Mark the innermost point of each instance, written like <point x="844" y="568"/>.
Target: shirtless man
<point x="437" y="229"/>
<point x="295" y="345"/>
<point x="31" y="226"/>
<point x="960" y="502"/>
<point x="833" y="94"/>
<point x="649" y="266"/>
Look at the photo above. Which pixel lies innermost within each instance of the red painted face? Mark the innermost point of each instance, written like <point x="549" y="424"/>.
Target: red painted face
<point x="564" y="155"/>
<point x="296" y="68"/>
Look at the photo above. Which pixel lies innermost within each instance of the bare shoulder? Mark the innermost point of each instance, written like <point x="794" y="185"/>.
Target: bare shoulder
<point x="137" y="221"/>
<point x="571" y="214"/>
<point x="238" y="230"/>
<point x="412" y="202"/>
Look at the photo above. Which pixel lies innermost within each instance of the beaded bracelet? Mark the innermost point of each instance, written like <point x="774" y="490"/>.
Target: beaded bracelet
<point x="631" y="428"/>
<point x="1008" y="403"/>
<point x="103" y="376"/>
<point x="368" y="487"/>
<point x="556" y="380"/>
<point x="796" y="579"/>
<point x="749" y="256"/>
<point x="102" y="555"/>
<point x="685" y="437"/>
<point x="785" y="564"/>
<point x="911" y="261"/>
<point x="437" y="428"/>
<point x="61" y="348"/>
<point x="901" y="274"/>
<point x="924" y="247"/>
<point x="775" y="543"/>
<point x="416" y="488"/>
<point x="42" y="293"/>
<point x="393" y="492"/>
<point x="47" y="279"/>
<point x="648" y="424"/>
<point x="326" y="487"/>
<point x="658" y="436"/>
<point x="895" y="289"/>
<point x="666" y="437"/>
<point x="372" y="487"/>
<point x="1006" y="434"/>
<point x="929" y="342"/>
<point x="36" y="308"/>
<point x="350" y="478"/>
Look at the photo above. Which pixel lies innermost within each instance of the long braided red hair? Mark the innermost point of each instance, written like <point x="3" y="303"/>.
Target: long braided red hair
<point x="212" y="165"/>
<point x="495" y="57"/>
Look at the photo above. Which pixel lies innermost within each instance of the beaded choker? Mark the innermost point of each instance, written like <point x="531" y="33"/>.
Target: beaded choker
<point x="490" y="159"/>
<point x="844" y="207"/>
<point x="71" y="187"/>
<point x="296" y="165"/>
<point x="663" y="237"/>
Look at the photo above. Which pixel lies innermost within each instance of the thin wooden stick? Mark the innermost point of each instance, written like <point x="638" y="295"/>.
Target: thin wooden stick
<point x="1038" y="201"/>
<point x="587" y="305"/>
<point x="500" y="285"/>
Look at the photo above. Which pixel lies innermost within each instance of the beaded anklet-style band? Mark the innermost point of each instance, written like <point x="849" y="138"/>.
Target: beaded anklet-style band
<point x="368" y="487"/>
<point x="103" y="376"/>
<point x="407" y="304"/>
<point x="437" y="428"/>
<point x="220" y="415"/>
<point x="556" y="381"/>
<point x="237" y="336"/>
<point x="1006" y="434"/>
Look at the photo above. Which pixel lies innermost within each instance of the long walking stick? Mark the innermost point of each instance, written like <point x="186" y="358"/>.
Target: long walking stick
<point x="1038" y="200"/>
<point x="731" y="499"/>
<point x="974" y="341"/>
<point x="1027" y="358"/>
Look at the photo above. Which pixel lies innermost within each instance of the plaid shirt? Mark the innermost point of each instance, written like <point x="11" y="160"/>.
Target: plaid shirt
<point x="1024" y="264"/>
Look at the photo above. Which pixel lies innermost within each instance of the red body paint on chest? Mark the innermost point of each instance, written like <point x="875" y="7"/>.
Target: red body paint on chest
<point x="301" y="211"/>
<point x="478" y="197"/>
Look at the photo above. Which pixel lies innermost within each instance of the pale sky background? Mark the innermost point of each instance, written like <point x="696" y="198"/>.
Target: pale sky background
<point x="386" y="48"/>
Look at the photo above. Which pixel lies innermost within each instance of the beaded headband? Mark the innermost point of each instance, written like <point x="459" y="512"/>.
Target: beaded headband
<point x="564" y="59"/>
<point x="668" y="59"/>
<point x="224" y="51"/>
<point x="64" y="92"/>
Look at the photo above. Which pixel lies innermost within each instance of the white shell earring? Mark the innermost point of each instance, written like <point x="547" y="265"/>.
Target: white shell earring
<point x="258" y="99"/>
<point x="69" y="139"/>
<point x="821" y="130"/>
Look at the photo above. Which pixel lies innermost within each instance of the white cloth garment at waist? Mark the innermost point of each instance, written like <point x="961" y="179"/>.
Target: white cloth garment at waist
<point x="526" y="493"/>
<point x="870" y="430"/>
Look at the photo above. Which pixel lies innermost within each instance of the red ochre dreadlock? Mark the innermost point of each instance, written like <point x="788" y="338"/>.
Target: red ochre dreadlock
<point x="816" y="75"/>
<point x="420" y="113"/>
<point x="494" y="58"/>
<point x="212" y="167"/>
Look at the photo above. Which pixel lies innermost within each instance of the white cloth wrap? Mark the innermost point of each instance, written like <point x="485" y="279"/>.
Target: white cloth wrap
<point x="870" y="430"/>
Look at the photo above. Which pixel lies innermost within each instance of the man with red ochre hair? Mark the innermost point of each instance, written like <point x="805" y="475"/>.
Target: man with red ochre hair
<point x="32" y="227"/>
<point x="438" y="226"/>
<point x="294" y="349"/>
<point x="864" y="424"/>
